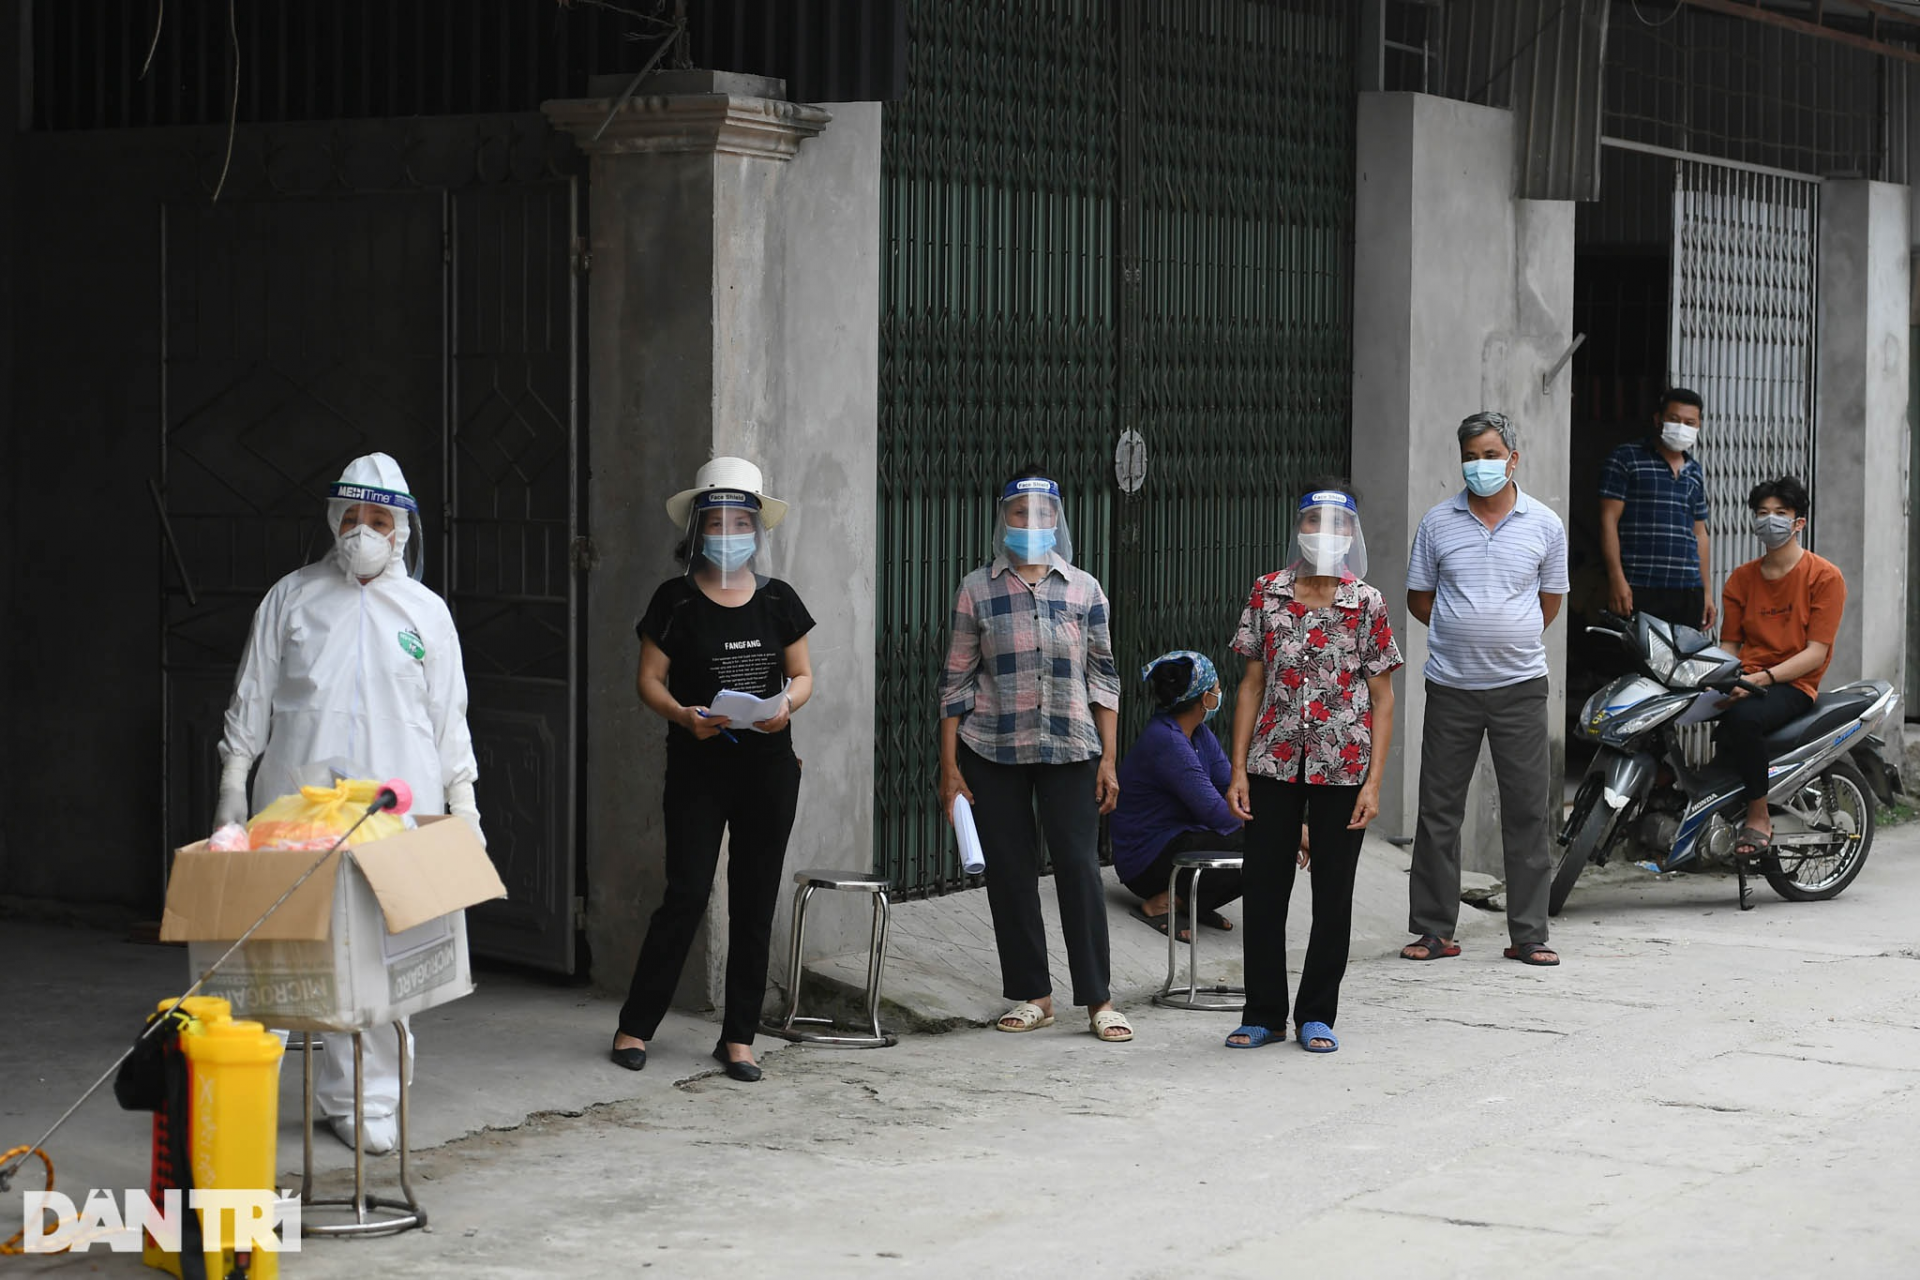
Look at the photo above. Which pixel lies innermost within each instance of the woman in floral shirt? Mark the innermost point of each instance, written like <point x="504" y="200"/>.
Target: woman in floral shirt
<point x="1313" y="718"/>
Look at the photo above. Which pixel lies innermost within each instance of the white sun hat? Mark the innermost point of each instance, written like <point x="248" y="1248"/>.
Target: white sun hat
<point x="726" y="473"/>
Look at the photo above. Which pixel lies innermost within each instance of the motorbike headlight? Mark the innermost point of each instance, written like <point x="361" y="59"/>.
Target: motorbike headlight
<point x="1623" y="728"/>
<point x="1694" y="671"/>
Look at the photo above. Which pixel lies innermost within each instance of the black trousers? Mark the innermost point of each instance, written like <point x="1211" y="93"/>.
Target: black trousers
<point x="1217" y="888"/>
<point x="1005" y="797"/>
<point x="1739" y="729"/>
<point x="1273" y="843"/>
<point x="751" y="799"/>
<point x="1685" y="606"/>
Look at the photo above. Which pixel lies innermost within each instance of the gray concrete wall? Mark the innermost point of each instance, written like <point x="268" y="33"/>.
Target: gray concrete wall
<point x="1860" y="486"/>
<point x="1463" y="298"/>
<point x="734" y="309"/>
<point x="13" y="72"/>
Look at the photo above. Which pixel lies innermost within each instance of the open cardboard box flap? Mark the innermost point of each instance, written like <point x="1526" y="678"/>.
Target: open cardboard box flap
<point x="418" y="875"/>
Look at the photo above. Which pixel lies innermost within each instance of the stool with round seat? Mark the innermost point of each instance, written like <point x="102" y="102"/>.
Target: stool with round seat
<point x="834" y="1036"/>
<point x="1191" y="995"/>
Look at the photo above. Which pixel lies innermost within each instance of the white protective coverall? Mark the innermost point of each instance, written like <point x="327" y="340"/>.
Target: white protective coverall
<point x="370" y="673"/>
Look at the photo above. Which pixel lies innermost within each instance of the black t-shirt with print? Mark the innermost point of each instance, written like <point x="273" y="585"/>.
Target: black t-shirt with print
<point x="711" y="647"/>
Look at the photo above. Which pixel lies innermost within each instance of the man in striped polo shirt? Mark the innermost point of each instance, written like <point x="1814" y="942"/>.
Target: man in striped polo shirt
<point x="1653" y="520"/>
<point x="1486" y="576"/>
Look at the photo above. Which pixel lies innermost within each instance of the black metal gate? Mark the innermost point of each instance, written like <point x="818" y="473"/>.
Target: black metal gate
<point x="438" y="324"/>
<point x="1117" y="239"/>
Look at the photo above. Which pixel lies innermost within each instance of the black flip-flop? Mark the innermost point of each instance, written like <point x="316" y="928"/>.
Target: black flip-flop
<point x="1158" y="922"/>
<point x="1214" y="920"/>
<point x="1758" y="843"/>
<point x="1530" y="953"/>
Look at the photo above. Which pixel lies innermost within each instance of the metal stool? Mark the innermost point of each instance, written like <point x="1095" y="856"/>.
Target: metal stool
<point x="407" y="1213"/>
<point x="788" y="1027"/>
<point x="1199" y="863"/>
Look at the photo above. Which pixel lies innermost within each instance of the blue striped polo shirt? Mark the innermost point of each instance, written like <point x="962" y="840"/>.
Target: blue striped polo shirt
<point x="1487" y="583"/>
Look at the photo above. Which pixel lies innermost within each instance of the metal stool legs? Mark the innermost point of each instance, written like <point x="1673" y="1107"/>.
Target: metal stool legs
<point x="789" y="1027"/>
<point x="1191" y="995"/>
<point x="406" y="1214"/>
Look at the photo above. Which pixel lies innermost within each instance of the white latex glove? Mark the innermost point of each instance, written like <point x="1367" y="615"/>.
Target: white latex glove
<point x="460" y="804"/>
<point x="232" y="804"/>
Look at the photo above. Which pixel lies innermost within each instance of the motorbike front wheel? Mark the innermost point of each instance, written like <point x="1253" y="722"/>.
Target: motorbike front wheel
<point x="1840" y="800"/>
<point x="1588" y="825"/>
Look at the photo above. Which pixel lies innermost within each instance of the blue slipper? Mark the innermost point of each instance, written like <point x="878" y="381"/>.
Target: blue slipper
<point x="1256" y="1036"/>
<point x="1311" y="1031"/>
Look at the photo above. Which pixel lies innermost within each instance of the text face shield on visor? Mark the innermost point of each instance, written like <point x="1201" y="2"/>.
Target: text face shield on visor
<point x="1033" y="524"/>
<point x="1326" y="537"/>
<point x="725" y="540"/>
<point x="375" y="528"/>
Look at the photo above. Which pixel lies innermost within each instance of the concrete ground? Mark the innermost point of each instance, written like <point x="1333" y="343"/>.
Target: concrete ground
<point x="1695" y="1092"/>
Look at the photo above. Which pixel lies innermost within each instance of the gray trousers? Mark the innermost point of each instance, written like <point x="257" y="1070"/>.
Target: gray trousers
<point x="1514" y="722"/>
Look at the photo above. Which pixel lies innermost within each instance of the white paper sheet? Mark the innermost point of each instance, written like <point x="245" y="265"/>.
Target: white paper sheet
<point x="973" y="860"/>
<point x="743" y="710"/>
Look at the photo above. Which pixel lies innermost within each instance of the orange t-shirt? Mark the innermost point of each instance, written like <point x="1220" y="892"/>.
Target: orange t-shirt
<point x="1772" y="621"/>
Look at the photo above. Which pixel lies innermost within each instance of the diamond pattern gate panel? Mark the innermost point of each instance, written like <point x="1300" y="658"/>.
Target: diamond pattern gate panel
<point x="514" y="476"/>
<point x="1745" y="273"/>
<point x="1237" y="326"/>
<point x="1103" y="219"/>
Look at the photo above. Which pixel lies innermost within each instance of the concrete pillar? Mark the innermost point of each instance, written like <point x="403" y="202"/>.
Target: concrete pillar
<point x="1860" y="481"/>
<point x="733" y="305"/>
<point x="1463" y="301"/>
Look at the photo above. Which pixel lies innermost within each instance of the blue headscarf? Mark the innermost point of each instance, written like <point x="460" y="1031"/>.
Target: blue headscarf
<point x="1203" y="677"/>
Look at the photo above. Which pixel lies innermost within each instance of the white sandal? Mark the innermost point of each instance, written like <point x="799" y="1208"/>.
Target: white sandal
<point x="1112" y="1020"/>
<point x="1026" y="1015"/>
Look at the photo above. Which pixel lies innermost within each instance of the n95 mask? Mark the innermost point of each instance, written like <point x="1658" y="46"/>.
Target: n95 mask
<point x="365" y="551"/>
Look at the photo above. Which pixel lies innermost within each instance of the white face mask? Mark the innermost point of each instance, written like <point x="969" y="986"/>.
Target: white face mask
<point x="1678" y="435"/>
<point x="1325" y="551"/>
<point x="365" y="550"/>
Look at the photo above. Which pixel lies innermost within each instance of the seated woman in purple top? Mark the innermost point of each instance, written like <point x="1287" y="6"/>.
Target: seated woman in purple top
<point x="1173" y="794"/>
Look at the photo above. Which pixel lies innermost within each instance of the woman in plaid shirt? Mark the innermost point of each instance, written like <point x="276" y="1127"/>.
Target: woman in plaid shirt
<point x="1029" y="710"/>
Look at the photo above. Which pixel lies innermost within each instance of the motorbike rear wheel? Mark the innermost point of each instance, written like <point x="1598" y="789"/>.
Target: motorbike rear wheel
<point x="1589" y="824"/>
<point x="1840" y="796"/>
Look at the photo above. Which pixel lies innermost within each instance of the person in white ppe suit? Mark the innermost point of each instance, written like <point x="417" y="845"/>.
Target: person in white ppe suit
<point x="351" y="658"/>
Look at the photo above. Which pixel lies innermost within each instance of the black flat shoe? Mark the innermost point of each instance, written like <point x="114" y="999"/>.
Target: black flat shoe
<point x="631" y="1059"/>
<point x="744" y="1072"/>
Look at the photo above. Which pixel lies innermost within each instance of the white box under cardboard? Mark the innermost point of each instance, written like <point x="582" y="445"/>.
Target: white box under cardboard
<point x="378" y="933"/>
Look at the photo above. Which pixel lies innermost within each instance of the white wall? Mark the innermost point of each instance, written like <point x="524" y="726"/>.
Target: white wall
<point x="1463" y="299"/>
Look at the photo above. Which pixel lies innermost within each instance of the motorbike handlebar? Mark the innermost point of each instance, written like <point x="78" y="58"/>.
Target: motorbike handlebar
<point x="1758" y="691"/>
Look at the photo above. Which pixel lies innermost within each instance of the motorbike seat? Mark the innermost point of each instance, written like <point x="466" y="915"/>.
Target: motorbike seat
<point x="1830" y="710"/>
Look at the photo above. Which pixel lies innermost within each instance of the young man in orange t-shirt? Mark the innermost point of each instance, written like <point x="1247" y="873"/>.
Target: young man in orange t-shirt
<point x="1779" y="614"/>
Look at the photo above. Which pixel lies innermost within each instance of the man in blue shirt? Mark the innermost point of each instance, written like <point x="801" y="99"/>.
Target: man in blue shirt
<point x="1653" y="520"/>
<point x="1487" y="574"/>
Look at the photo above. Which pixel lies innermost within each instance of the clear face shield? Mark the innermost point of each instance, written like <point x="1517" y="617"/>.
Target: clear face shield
<point x="1326" y="537"/>
<point x="1033" y="523"/>
<point x="375" y="529"/>
<point x="726" y="541"/>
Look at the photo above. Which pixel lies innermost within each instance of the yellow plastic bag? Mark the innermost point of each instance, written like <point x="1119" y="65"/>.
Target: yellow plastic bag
<point x="315" y="817"/>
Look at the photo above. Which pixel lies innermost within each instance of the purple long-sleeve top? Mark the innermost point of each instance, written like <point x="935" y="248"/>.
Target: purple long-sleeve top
<point x="1169" y="785"/>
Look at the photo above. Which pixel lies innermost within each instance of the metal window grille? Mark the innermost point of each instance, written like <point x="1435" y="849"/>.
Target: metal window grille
<point x="1744" y="335"/>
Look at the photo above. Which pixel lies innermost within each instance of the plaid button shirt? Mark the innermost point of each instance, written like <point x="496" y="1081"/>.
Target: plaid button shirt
<point x="1027" y="664"/>
<point x="1657" y="547"/>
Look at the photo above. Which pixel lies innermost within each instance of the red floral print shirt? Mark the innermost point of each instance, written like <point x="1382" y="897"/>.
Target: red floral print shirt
<point x="1316" y="718"/>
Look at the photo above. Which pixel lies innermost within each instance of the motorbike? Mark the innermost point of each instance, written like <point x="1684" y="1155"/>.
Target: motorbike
<point x="1825" y="771"/>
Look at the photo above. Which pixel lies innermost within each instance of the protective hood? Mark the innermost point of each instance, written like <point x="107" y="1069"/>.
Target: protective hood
<point x="375" y="479"/>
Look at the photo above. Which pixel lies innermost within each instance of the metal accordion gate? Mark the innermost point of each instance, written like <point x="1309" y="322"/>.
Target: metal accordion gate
<point x="1744" y="335"/>
<point x="1116" y="241"/>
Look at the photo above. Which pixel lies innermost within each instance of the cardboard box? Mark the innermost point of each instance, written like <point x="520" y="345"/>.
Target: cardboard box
<point x="377" y="933"/>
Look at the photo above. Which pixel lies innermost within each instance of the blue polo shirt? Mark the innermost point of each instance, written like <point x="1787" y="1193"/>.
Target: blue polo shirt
<point x="1657" y="546"/>
<point x="1487" y="584"/>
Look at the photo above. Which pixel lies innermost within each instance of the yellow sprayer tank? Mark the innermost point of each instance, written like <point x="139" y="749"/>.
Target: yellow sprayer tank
<point x="233" y="1118"/>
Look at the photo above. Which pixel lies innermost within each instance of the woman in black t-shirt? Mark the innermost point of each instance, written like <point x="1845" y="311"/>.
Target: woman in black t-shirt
<point x="719" y="627"/>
